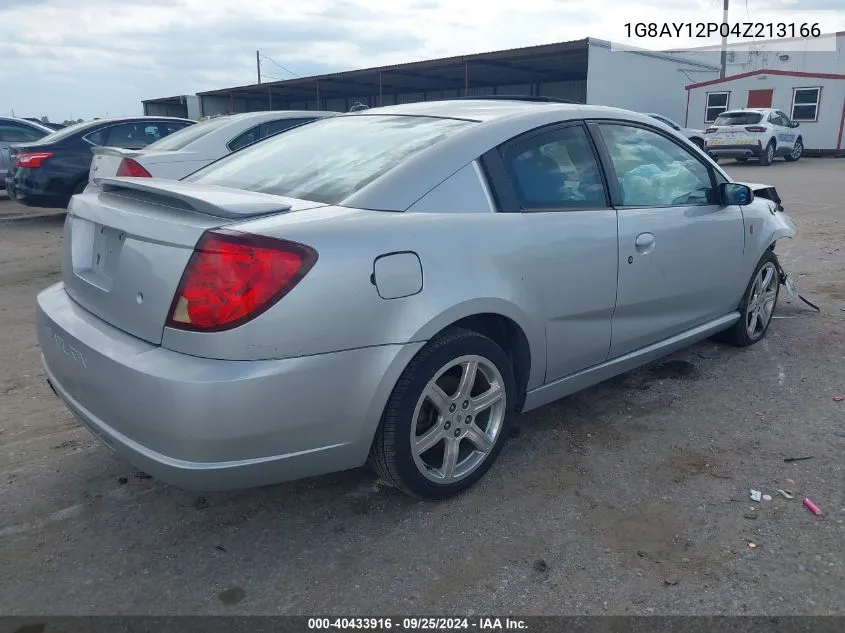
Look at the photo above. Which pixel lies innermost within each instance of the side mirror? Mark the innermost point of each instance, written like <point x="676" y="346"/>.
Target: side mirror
<point x="733" y="193"/>
<point x="794" y="124"/>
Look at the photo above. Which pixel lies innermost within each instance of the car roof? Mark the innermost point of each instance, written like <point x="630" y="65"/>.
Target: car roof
<point x="484" y="110"/>
<point x="749" y="110"/>
<point x="40" y="126"/>
<point x="279" y="114"/>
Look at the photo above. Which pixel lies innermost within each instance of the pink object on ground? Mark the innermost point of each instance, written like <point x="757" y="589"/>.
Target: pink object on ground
<point x="812" y="507"/>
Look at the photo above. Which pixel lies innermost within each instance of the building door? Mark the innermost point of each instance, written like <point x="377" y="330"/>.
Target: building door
<point x="760" y="98"/>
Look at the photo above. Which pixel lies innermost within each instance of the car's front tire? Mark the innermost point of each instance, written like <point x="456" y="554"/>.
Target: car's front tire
<point x="757" y="305"/>
<point x="447" y="418"/>
<point x="796" y="153"/>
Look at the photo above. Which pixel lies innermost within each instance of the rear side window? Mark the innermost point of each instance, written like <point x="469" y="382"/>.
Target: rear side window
<point x="246" y="138"/>
<point x="555" y="169"/>
<point x="138" y="134"/>
<point x="274" y="127"/>
<point x="738" y="118"/>
<point x="330" y="159"/>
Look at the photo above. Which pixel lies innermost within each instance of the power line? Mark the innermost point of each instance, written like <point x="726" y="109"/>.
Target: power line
<point x="273" y="61"/>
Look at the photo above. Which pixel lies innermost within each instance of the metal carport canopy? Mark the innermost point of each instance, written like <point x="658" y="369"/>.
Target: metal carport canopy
<point x="561" y="61"/>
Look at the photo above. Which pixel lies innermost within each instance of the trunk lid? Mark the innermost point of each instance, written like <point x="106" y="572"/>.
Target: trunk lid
<point x="127" y="243"/>
<point x="106" y="160"/>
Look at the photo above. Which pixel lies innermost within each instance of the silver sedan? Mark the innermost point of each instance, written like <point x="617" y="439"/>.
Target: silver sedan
<point x="393" y="286"/>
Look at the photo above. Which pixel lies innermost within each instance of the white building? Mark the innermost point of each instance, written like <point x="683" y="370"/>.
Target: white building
<point x="813" y="99"/>
<point x="824" y="54"/>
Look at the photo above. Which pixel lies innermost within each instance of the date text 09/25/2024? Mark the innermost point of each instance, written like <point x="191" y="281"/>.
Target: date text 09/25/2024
<point x="745" y="30"/>
<point x="418" y="624"/>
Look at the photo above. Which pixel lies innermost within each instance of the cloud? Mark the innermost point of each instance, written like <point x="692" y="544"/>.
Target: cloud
<point x="101" y="57"/>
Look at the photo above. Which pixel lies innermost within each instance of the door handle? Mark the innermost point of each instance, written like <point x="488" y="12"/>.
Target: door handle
<point x="645" y="242"/>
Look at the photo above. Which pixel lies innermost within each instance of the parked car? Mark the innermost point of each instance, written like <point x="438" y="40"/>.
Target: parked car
<point x="760" y="133"/>
<point x="194" y="147"/>
<point x="52" y="126"/>
<point x="47" y="172"/>
<point x="13" y="131"/>
<point x="393" y="286"/>
<point x="696" y="136"/>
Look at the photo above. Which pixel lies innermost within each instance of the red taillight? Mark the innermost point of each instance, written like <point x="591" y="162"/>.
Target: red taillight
<point x="133" y="169"/>
<point x="755" y="128"/>
<point x="710" y="130"/>
<point x="233" y="277"/>
<point x="32" y="160"/>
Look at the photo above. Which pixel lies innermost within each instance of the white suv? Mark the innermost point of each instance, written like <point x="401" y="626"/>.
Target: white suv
<point x="761" y="133"/>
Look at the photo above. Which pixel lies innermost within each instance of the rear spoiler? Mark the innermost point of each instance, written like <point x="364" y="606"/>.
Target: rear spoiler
<point x="115" y="151"/>
<point x="218" y="202"/>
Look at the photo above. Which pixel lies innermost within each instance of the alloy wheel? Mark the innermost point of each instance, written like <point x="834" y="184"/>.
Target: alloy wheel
<point x="761" y="301"/>
<point x="458" y="419"/>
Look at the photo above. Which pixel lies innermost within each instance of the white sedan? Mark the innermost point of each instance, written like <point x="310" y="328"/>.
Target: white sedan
<point x="696" y="136"/>
<point x="188" y="150"/>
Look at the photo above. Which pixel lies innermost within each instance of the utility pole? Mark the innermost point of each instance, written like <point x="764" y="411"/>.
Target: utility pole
<point x="258" y="62"/>
<point x="724" y="59"/>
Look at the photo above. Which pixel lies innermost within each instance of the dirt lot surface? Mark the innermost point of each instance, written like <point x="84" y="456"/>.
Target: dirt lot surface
<point x="629" y="498"/>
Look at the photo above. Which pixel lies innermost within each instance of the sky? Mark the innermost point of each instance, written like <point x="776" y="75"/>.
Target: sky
<point x="71" y="59"/>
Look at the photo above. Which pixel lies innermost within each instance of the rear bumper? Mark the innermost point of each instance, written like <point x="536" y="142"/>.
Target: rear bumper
<point x="734" y="151"/>
<point x="214" y="425"/>
<point x="26" y="188"/>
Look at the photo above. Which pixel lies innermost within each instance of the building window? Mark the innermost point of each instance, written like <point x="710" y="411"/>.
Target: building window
<point x="717" y="102"/>
<point x="805" y="104"/>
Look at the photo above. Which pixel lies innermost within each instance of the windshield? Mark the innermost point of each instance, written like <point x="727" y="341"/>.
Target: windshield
<point x="738" y="118"/>
<point x="179" y="140"/>
<point x="330" y="159"/>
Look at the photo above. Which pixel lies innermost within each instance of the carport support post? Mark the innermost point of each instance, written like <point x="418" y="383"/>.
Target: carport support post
<point x="380" y="93"/>
<point x="466" y="77"/>
<point x="269" y="99"/>
<point x="724" y="56"/>
<point x="232" y="102"/>
<point x="317" y="81"/>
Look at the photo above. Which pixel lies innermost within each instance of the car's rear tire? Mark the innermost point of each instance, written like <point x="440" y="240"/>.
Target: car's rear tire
<point x="447" y="418"/>
<point x="797" y="152"/>
<point x="768" y="154"/>
<point x="757" y="305"/>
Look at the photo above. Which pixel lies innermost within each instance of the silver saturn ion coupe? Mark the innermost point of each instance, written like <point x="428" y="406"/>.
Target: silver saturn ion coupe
<point x="392" y="286"/>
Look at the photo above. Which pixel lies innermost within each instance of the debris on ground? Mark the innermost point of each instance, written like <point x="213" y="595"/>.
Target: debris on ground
<point x="812" y="507"/>
<point x="752" y="545"/>
<point x="838" y="398"/>
<point x="787" y="494"/>
<point x="798" y="459"/>
<point x="541" y="566"/>
<point x="670" y="581"/>
<point x="767" y="497"/>
<point x="756" y="495"/>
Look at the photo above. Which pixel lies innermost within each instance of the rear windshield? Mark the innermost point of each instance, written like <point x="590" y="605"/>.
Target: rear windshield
<point x="738" y="118"/>
<point x="70" y="130"/>
<point x="179" y="140"/>
<point x="330" y="159"/>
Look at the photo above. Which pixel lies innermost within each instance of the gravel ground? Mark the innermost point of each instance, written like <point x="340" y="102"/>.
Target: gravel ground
<point x="629" y="498"/>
